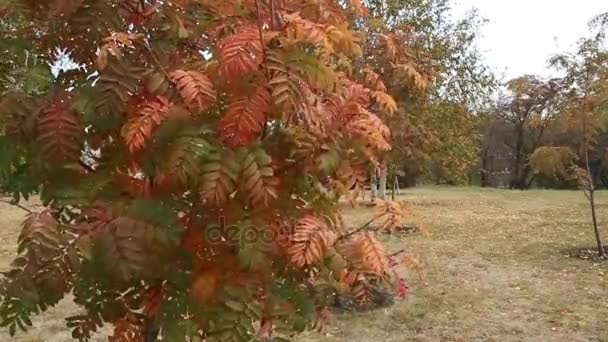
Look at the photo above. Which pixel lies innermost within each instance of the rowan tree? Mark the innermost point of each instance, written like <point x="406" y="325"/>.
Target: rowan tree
<point x="190" y="162"/>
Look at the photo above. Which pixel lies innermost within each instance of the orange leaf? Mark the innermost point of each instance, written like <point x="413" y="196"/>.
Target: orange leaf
<point x="390" y="213"/>
<point x="373" y="80"/>
<point x="310" y="241"/>
<point x="138" y="130"/>
<point x="367" y="255"/>
<point x="245" y="117"/>
<point x="258" y="182"/>
<point x="205" y="287"/>
<point x="359" y="8"/>
<point x="195" y="88"/>
<point x="127" y="330"/>
<point x="59" y="132"/>
<point x="219" y="178"/>
<point x="240" y="53"/>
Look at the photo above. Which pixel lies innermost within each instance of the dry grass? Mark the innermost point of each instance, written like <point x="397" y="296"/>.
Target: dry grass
<point x="493" y="271"/>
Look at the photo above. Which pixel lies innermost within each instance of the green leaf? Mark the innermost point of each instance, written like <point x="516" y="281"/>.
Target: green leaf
<point x="289" y="292"/>
<point x="64" y="192"/>
<point x="254" y="255"/>
<point x="157" y="212"/>
<point x="234" y="305"/>
<point x="37" y="78"/>
<point x="8" y="157"/>
<point x="329" y="161"/>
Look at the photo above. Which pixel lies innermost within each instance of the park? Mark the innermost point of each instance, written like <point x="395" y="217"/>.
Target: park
<point x="303" y="170"/>
<point x="497" y="266"/>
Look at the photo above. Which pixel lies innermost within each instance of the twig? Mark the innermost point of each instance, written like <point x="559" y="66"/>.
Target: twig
<point x="358" y="230"/>
<point x="266" y="73"/>
<point x="160" y="66"/>
<point x="272" y="15"/>
<point x="16" y="205"/>
<point x="587" y="194"/>
<point x="260" y="24"/>
<point x="401" y="251"/>
<point x="151" y="332"/>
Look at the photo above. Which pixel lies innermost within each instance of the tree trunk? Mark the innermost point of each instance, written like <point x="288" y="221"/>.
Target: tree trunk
<point x="598" y="238"/>
<point x="483" y="173"/>
<point x="373" y="180"/>
<point x="591" y="188"/>
<point x="396" y="184"/>
<point x="530" y="181"/>
<point x="151" y="331"/>
<point x="525" y="181"/>
<point x="516" y="177"/>
<point x="382" y="183"/>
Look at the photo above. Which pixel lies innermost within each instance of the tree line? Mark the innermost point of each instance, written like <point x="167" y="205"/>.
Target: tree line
<point x="544" y="127"/>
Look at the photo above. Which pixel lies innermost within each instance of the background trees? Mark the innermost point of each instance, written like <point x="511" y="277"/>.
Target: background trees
<point x="526" y="110"/>
<point x="583" y="117"/>
<point x="433" y="139"/>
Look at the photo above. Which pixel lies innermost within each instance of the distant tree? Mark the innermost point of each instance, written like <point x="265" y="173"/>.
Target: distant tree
<point x="433" y="139"/>
<point x="529" y="106"/>
<point x="584" y="114"/>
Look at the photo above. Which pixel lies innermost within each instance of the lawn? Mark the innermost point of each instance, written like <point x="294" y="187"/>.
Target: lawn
<point x="494" y="269"/>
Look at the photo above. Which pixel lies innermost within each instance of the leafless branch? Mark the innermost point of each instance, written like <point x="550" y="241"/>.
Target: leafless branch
<point x="16" y="205"/>
<point x="356" y="231"/>
<point x="266" y="72"/>
<point x="401" y="251"/>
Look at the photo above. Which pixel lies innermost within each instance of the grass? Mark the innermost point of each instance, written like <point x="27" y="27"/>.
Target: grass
<point x="494" y="270"/>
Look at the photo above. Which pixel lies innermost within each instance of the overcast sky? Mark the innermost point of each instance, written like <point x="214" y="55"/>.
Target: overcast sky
<point x="523" y="34"/>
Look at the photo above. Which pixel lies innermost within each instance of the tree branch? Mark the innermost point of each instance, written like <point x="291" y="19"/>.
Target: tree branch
<point x="16" y="205"/>
<point x="157" y="61"/>
<point x="358" y="230"/>
<point x="587" y="194"/>
<point x="273" y="12"/>
<point x="401" y="251"/>
<point x="266" y="73"/>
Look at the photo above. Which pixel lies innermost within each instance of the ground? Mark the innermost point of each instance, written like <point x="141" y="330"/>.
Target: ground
<point x="494" y="269"/>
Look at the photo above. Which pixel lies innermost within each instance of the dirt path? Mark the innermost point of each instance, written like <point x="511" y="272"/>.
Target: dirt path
<point x="493" y="271"/>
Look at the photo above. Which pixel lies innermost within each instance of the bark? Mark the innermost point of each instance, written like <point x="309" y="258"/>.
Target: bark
<point x="151" y="331"/>
<point x="483" y="173"/>
<point x="598" y="238"/>
<point x="382" y="183"/>
<point x="590" y="191"/>
<point x="373" y="181"/>
<point x="396" y="184"/>
<point x="516" y="177"/>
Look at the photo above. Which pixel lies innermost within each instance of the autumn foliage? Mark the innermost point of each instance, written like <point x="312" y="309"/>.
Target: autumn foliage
<point x="191" y="166"/>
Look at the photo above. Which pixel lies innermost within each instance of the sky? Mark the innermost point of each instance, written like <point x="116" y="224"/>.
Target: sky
<point x="522" y="35"/>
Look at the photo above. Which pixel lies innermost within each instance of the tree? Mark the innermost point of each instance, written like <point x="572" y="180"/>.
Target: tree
<point x="583" y="114"/>
<point x="191" y="166"/>
<point x="529" y="108"/>
<point x="432" y="139"/>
